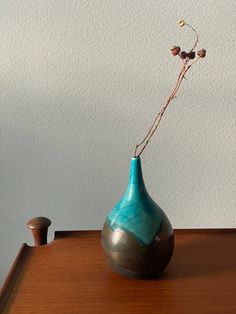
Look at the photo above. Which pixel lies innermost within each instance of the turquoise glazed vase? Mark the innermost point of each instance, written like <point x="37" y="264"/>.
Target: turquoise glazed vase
<point x="137" y="236"/>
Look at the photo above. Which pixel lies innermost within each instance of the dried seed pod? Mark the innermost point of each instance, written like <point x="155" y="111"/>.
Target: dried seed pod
<point x="191" y="55"/>
<point x="182" y="23"/>
<point x="183" y="54"/>
<point x="201" y="53"/>
<point x="175" y="50"/>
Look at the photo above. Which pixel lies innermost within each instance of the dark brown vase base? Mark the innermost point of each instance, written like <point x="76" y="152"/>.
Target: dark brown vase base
<point x="128" y="257"/>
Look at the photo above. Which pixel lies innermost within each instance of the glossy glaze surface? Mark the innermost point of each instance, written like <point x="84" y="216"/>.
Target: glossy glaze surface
<point x="136" y="212"/>
<point x="137" y="236"/>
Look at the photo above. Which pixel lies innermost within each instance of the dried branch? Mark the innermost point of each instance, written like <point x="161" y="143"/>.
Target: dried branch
<point x="186" y="57"/>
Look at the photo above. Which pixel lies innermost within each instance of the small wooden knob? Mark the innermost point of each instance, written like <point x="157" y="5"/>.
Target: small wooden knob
<point x="39" y="227"/>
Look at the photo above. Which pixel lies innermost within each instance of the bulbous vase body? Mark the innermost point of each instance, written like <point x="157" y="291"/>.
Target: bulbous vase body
<point x="137" y="236"/>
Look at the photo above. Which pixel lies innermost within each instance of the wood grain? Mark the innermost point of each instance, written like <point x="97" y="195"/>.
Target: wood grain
<point x="69" y="275"/>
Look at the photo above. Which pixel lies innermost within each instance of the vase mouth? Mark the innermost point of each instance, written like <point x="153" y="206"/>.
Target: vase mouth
<point x="136" y="176"/>
<point x="135" y="157"/>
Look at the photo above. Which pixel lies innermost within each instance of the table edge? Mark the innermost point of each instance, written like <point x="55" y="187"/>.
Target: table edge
<point x="4" y="290"/>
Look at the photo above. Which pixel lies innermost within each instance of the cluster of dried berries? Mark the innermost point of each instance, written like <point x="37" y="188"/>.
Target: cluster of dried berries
<point x="175" y="50"/>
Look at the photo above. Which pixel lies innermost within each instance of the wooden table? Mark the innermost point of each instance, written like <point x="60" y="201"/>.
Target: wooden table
<point x="69" y="275"/>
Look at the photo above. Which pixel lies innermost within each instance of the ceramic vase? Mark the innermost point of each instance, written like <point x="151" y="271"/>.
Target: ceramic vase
<point x="137" y="236"/>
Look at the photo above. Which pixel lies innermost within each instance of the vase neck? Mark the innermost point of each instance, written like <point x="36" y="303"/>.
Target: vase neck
<point x="136" y="176"/>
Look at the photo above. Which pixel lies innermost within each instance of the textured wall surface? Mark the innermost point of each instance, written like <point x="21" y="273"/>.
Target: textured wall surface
<point x="80" y="83"/>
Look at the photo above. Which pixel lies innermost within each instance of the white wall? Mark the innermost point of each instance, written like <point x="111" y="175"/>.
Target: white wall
<point x="80" y="83"/>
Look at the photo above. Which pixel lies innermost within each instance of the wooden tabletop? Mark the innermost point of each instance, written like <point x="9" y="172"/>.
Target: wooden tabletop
<point x="69" y="275"/>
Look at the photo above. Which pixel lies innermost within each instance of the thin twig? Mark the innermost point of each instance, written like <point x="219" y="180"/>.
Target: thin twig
<point x="197" y="39"/>
<point x="152" y="126"/>
<point x="161" y="113"/>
